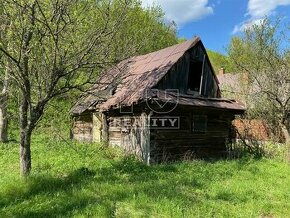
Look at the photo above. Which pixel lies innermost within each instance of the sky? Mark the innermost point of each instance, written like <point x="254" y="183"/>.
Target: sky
<point x="216" y="21"/>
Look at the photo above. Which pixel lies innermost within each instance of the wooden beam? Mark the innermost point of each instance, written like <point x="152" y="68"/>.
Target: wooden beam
<point x="105" y="129"/>
<point x="97" y="127"/>
<point x="145" y="137"/>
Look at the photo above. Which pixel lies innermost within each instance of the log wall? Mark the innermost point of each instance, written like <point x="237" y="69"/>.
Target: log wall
<point x="154" y="145"/>
<point x="184" y="143"/>
<point x="82" y="129"/>
<point x="131" y="133"/>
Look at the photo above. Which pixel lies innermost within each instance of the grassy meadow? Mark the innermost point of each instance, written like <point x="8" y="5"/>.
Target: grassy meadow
<point x="83" y="180"/>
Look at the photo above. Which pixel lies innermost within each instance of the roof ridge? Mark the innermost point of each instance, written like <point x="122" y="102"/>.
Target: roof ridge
<point x="193" y="40"/>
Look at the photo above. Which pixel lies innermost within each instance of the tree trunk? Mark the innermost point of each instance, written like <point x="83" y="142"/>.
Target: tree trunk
<point x="286" y="134"/>
<point x="25" y="137"/>
<point x="25" y="153"/>
<point x="3" y="109"/>
<point x="3" y="118"/>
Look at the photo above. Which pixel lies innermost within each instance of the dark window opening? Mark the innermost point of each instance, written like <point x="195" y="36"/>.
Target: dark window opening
<point x="199" y="124"/>
<point x="194" y="78"/>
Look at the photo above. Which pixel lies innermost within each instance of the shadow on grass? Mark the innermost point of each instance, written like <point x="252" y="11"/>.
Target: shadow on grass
<point x="46" y="185"/>
<point x="120" y="182"/>
<point x="60" y="208"/>
<point x="153" y="181"/>
<point x="49" y="196"/>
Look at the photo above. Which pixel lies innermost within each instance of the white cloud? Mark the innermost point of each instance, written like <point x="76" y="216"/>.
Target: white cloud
<point x="261" y="8"/>
<point x="182" y="11"/>
<point x="257" y="10"/>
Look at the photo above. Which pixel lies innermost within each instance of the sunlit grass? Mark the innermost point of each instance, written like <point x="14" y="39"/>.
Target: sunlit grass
<point x="80" y="180"/>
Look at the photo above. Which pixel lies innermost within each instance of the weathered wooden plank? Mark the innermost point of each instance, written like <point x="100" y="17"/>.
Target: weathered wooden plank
<point x="97" y="127"/>
<point x="145" y="137"/>
<point x="105" y="128"/>
<point x="82" y="128"/>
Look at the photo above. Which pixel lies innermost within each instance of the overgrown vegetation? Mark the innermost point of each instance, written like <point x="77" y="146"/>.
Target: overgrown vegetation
<point x="84" y="180"/>
<point x="51" y="48"/>
<point x="87" y="180"/>
<point x="262" y="54"/>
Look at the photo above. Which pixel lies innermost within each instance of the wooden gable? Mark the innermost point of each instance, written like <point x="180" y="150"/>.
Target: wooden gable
<point x="192" y="74"/>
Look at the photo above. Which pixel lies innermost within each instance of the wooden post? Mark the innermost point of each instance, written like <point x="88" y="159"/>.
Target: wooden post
<point x="105" y="129"/>
<point x="97" y="127"/>
<point x="145" y="137"/>
<point x="202" y="75"/>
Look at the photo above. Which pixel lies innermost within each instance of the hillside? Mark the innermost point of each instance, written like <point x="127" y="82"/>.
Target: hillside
<point x="88" y="180"/>
<point x="219" y="60"/>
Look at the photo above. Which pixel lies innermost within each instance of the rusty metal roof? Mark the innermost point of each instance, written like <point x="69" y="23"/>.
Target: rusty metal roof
<point x="189" y="100"/>
<point x="127" y="82"/>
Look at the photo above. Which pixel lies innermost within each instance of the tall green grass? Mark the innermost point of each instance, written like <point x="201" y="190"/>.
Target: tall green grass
<point x="81" y="180"/>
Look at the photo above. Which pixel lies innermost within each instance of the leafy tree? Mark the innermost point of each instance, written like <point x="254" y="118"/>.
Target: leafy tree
<point x="261" y="53"/>
<point x="219" y="61"/>
<point x="4" y="79"/>
<point x="59" y="46"/>
<point x="142" y="31"/>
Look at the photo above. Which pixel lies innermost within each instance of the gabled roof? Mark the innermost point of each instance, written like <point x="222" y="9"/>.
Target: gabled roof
<point x="127" y="83"/>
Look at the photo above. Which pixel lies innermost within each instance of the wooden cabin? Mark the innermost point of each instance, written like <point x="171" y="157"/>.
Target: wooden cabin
<point x="162" y="106"/>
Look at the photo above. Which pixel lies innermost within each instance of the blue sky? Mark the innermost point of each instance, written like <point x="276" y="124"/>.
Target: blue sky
<point x="216" y="21"/>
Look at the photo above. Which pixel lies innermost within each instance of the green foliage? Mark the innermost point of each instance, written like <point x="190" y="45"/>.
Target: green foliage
<point x="256" y="149"/>
<point x="88" y="180"/>
<point x="219" y="60"/>
<point x="139" y="31"/>
<point x="142" y="31"/>
<point x="261" y="52"/>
